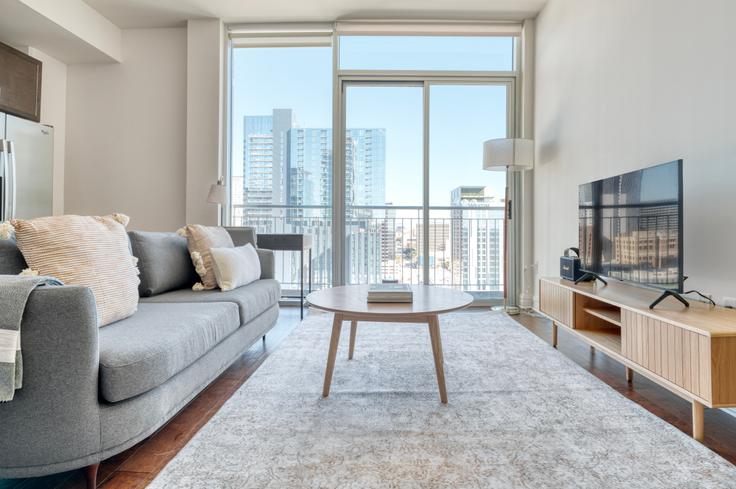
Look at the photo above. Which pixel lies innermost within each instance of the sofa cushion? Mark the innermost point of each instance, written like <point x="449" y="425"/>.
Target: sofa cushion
<point x="11" y="259"/>
<point x="145" y="350"/>
<point x="164" y="262"/>
<point x="252" y="299"/>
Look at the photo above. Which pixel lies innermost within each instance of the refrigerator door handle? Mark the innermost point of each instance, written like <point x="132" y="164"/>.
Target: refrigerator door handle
<point x="12" y="180"/>
<point x="4" y="214"/>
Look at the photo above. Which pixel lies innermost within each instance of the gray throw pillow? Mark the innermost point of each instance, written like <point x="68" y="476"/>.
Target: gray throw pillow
<point x="164" y="262"/>
<point x="11" y="259"/>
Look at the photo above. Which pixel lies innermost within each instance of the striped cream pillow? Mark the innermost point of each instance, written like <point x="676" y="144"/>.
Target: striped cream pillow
<point x="91" y="251"/>
<point x="199" y="240"/>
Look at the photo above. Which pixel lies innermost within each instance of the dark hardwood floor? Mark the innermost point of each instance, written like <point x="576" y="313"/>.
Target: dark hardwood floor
<point x="137" y="466"/>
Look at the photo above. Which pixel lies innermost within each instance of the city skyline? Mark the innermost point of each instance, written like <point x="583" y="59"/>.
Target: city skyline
<point x="460" y="117"/>
<point x="288" y="165"/>
<point x="287" y="187"/>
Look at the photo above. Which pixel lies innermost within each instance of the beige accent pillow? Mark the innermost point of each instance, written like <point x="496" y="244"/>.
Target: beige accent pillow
<point x="91" y="251"/>
<point x="235" y="267"/>
<point x="199" y="240"/>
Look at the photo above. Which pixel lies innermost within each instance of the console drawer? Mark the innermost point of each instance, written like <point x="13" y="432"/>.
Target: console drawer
<point x="674" y="353"/>
<point x="556" y="302"/>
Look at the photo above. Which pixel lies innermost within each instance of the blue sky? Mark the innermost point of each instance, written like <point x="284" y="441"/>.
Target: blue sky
<point x="461" y="117"/>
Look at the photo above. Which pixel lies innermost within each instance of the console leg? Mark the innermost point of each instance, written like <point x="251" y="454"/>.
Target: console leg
<point x="698" y="421"/>
<point x="554" y="334"/>
<point x="90" y="473"/>
<point x="629" y="375"/>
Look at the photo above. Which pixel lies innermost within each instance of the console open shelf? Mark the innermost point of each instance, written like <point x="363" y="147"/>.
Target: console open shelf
<point x="609" y="314"/>
<point x="606" y="339"/>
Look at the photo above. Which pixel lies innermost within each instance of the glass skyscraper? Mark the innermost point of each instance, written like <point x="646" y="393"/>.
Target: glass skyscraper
<point x="288" y="165"/>
<point x="287" y="186"/>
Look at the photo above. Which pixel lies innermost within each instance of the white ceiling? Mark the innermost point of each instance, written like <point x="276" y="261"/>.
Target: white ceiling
<point x="22" y="26"/>
<point x="162" y="13"/>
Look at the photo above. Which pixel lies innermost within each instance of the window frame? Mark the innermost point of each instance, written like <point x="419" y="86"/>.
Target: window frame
<point x="243" y="36"/>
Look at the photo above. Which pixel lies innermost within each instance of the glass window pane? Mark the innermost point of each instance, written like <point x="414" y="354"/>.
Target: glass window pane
<point x="281" y="150"/>
<point x="447" y="53"/>
<point x="466" y="202"/>
<point x="383" y="188"/>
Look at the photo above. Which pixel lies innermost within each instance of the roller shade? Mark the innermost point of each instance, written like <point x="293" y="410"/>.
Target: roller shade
<point x="281" y="35"/>
<point x="426" y="28"/>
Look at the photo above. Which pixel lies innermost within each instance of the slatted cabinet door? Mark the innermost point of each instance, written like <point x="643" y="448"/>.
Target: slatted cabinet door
<point x="679" y="355"/>
<point x="556" y="302"/>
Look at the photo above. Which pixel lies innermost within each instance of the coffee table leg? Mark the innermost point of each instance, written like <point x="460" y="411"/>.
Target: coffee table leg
<point x="334" y="341"/>
<point x="434" y="336"/>
<point x="353" y="331"/>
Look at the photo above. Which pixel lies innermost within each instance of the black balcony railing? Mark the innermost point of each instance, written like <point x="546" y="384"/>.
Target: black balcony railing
<point x="387" y="242"/>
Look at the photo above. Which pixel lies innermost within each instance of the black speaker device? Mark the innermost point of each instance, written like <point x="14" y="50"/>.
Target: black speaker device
<point x="571" y="266"/>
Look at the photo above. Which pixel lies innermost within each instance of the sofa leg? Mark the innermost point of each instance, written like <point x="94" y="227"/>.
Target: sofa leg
<point x="264" y="338"/>
<point x="90" y="473"/>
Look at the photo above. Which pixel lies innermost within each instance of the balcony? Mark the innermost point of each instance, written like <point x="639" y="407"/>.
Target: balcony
<point x="387" y="242"/>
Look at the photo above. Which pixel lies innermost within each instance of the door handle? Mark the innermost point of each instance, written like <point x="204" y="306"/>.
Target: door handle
<point x="4" y="216"/>
<point x="12" y="181"/>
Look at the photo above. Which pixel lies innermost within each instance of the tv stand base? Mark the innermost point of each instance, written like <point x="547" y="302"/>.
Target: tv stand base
<point x="666" y="294"/>
<point x="588" y="276"/>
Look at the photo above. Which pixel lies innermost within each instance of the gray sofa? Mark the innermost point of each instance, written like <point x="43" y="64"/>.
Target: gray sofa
<point x="90" y="393"/>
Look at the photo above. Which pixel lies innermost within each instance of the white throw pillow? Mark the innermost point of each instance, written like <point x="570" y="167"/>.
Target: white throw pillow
<point x="235" y="267"/>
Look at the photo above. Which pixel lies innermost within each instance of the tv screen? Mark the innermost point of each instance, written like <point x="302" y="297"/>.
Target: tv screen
<point x="630" y="226"/>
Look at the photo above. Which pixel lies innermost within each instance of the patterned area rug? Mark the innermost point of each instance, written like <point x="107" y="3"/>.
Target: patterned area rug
<point x="520" y="414"/>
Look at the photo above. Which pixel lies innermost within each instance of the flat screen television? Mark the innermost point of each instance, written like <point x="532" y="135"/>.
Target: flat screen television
<point x="630" y="227"/>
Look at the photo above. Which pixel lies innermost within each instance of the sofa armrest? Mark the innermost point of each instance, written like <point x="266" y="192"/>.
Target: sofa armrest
<point x="268" y="263"/>
<point x="54" y="418"/>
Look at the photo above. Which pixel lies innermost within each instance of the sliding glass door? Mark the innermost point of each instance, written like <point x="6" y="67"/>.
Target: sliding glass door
<point x="418" y="208"/>
<point x="466" y="204"/>
<point x="383" y="161"/>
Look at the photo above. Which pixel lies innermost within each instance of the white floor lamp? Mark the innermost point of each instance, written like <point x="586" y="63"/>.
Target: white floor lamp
<point x="511" y="155"/>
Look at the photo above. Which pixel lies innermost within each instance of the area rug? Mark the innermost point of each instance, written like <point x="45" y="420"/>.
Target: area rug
<point x="520" y="414"/>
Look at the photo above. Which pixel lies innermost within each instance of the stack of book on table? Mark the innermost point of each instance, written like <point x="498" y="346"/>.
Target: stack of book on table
<point x="390" y="293"/>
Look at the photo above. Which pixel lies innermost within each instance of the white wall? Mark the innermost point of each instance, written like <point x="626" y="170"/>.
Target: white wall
<point x="53" y="113"/>
<point x="126" y="132"/>
<point x="205" y="48"/>
<point x="626" y="84"/>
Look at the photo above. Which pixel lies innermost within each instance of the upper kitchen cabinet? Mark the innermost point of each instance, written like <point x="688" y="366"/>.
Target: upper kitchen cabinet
<point x="20" y="84"/>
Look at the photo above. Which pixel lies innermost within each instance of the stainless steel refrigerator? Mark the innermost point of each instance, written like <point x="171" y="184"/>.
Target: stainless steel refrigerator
<point x="26" y="168"/>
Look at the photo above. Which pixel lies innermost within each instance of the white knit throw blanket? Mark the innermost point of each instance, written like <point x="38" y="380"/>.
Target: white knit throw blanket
<point x="14" y="293"/>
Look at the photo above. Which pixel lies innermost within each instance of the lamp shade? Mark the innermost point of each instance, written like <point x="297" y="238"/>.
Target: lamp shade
<point x="218" y="193"/>
<point x="512" y="154"/>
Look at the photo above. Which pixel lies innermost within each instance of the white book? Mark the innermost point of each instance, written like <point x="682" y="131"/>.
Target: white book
<point x="390" y="293"/>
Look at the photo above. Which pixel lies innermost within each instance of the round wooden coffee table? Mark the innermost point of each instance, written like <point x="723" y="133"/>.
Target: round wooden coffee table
<point x="350" y="303"/>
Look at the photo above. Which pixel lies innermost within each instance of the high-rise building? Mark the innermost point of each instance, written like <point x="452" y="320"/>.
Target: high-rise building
<point x="309" y="167"/>
<point x="264" y="162"/>
<point x="365" y="166"/>
<point x="289" y="166"/>
<point x="477" y="239"/>
<point x="365" y="187"/>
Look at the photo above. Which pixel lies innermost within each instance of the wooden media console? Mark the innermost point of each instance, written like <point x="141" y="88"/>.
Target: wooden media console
<point x="690" y="351"/>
